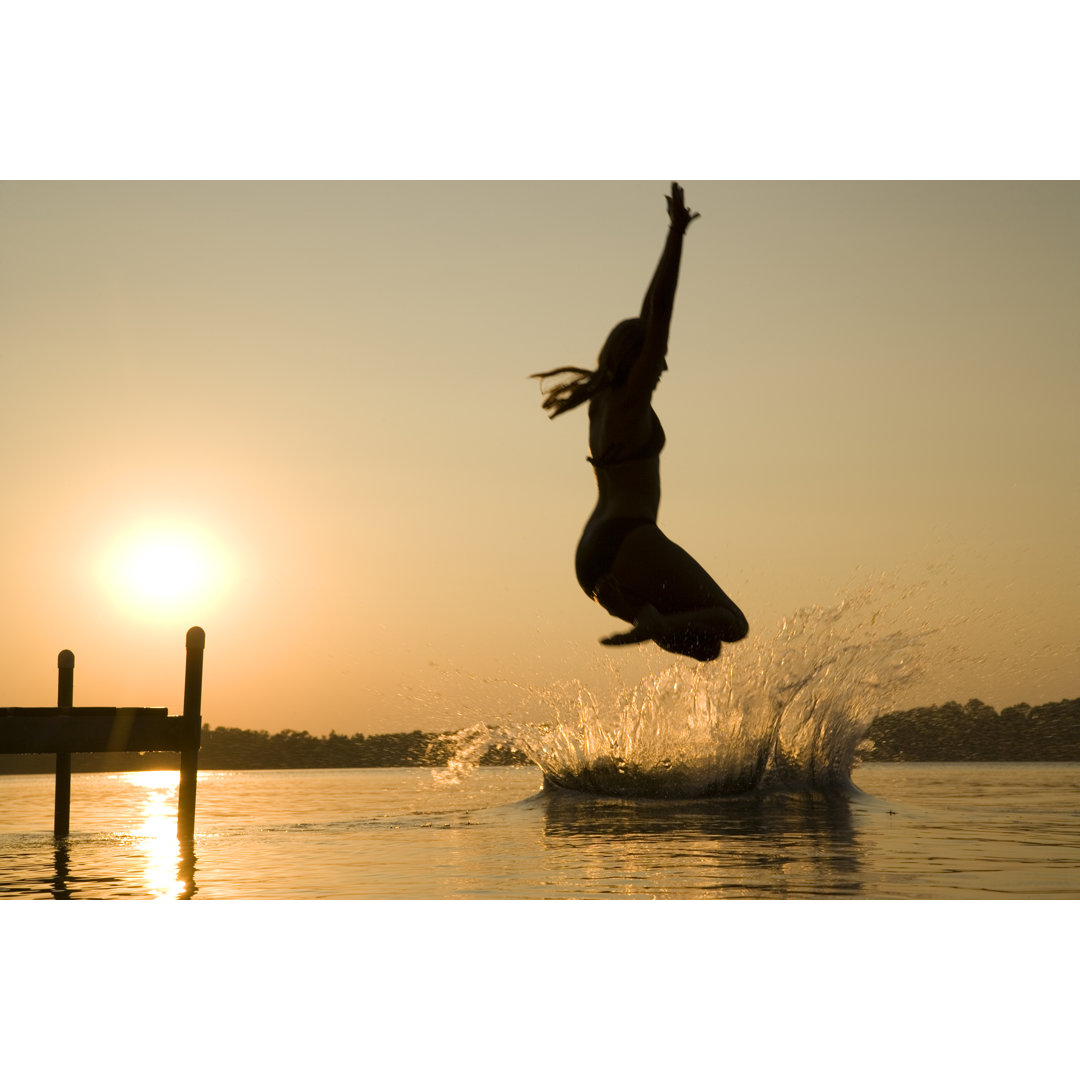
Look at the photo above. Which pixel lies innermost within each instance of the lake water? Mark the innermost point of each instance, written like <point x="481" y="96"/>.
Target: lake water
<point x="909" y="831"/>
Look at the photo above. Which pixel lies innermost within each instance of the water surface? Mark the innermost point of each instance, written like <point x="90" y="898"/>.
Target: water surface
<point x="925" y="831"/>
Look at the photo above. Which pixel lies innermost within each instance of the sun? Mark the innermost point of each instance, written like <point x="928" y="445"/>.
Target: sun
<point x="166" y="569"/>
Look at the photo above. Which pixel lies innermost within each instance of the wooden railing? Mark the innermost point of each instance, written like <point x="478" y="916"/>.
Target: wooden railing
<point x="69" y="729"/>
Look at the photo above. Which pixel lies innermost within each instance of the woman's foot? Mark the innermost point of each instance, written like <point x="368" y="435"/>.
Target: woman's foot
<point x="648" y="625"/>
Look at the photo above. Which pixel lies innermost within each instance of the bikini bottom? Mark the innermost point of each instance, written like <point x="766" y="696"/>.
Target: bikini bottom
<point x="598" y="547"/>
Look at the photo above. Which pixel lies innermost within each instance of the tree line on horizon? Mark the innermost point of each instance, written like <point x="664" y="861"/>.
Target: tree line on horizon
<point x="977" y="732"/>
<point x="242" y="748"/>
<point x="949" y="732"/>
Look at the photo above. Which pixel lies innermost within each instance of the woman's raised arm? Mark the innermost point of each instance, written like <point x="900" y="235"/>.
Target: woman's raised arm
<point x="660" y="299"/>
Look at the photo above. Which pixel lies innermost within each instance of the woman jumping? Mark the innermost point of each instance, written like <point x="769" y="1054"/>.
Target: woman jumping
<point x="624" y="561"/>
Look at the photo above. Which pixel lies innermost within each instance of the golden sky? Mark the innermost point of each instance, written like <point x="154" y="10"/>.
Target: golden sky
<point x="297" y="414"/>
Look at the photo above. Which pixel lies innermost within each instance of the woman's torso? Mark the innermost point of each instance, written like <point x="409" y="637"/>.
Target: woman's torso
<point x="625" y="441"/>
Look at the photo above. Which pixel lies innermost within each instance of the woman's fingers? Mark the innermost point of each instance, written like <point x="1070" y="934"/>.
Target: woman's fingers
<point x="676" y="205"/>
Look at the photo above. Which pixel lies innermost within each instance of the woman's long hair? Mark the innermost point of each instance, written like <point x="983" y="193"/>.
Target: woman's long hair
<point x="570" y="393"/>
<point x="622" y="348"/>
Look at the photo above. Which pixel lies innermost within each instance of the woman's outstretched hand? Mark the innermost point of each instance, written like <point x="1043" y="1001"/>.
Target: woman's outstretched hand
<point x="677" y="210"/>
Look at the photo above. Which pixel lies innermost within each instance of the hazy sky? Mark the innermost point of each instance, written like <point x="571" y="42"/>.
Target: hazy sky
<point x="317" y="393"/>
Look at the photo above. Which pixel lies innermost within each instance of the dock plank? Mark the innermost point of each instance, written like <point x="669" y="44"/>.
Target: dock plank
<point x="92" y="729"/>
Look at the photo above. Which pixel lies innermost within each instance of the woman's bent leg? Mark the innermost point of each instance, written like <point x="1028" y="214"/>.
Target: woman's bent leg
<point x="682" y="609"/>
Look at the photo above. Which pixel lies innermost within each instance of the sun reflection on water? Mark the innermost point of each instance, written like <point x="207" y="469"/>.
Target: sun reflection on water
<point x="169" y="870"/>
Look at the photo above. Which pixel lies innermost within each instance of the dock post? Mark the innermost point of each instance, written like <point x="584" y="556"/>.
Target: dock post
<point x="65" y="696"/>
<point x="189" y="758"/>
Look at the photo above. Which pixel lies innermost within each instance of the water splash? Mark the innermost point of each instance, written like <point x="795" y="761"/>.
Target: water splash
<point x="783" y="711"/>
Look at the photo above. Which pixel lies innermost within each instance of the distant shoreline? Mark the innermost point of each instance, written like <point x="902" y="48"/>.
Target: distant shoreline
<point x="973" y="732"/>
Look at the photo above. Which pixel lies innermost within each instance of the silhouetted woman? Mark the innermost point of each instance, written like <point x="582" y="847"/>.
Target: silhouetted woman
<point x="624" y="561"/>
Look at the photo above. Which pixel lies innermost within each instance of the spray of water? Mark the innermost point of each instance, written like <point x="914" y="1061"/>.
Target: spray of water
<point x="782" y="711"/>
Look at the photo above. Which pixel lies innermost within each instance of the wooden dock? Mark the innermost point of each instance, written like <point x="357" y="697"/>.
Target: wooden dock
<point x="69" y="729"/>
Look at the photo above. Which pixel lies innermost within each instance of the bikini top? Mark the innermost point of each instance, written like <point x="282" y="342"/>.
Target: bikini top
<point x="650" y="448"/>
